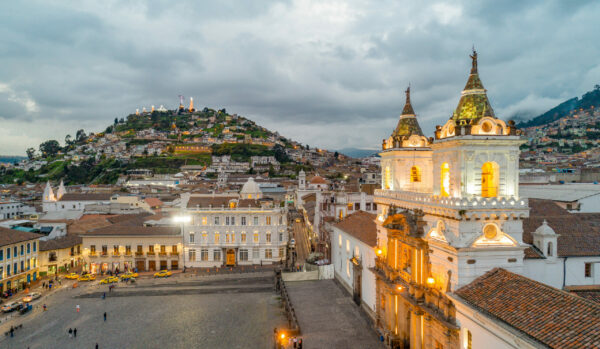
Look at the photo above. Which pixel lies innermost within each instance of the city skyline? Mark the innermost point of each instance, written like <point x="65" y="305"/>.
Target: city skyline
<point x="300" y="68"/>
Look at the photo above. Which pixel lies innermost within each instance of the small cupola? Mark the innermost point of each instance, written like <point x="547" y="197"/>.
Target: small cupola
<point x="545" y="239"/>
<point x="408" y="133"/>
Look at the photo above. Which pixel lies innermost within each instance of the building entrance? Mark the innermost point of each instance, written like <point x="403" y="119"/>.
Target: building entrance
<point x="230" y="261"/>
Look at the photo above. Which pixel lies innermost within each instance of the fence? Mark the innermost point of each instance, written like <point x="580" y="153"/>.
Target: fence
<point x="294" y="326"/>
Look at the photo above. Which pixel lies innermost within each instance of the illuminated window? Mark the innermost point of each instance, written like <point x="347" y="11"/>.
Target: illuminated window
<point x="203" y="220"/>
<point x="243" y="238"/>
<point x="489" y="180"/>
<point x="255" y="238"/>
<point x="217" y="238"/>
<point x="445" y="176"/>
<point x="268" y="220"/>
<point x="340" y="240"/>
<point x="469" y="340"/>
<point x="268" y="237"/>
<point x="388" y="178"/>
<point x="415" y="174"/>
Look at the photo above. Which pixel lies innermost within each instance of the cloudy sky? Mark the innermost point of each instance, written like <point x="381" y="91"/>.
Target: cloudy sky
<point x="327" y="73"/>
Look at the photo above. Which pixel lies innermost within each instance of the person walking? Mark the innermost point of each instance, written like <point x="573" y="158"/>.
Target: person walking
<point x="70" y="332"/>
<point x="75" y="332"/>
<point x="12" y="331"/>
<point x="104" y="316"/>
<point x="96" y="345"/>
<point x="77" y="308"/>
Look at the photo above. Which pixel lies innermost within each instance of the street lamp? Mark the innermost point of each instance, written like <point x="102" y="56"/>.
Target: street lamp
<point x="182" y="219"/>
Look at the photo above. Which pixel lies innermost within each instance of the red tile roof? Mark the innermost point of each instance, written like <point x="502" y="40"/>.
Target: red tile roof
<point x="12" y="236"/>
<point x="360" y="225"/>
<point x="579" y="235"/>
<point x="551" y="316"/>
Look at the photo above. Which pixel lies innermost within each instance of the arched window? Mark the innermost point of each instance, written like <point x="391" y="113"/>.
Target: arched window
<point x="489" y="180"/>
<point x="550" y="248"/>
<point x="388" y="178"/>
<point x="445" y="177"/>
<point x="415" y="174"/>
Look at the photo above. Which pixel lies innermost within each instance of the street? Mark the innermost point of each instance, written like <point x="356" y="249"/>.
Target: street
<point x="302" y="241"/>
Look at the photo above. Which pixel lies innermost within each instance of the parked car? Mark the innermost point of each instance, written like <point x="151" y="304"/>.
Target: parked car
<point x="129" y="275"/>
<point x="162" y="274"/>
<point x="31" y="297"/>
<point x="110" y="280"/>
<point x="72" y="276"/>
<point x="87" y="277"/>
<point x="7" y="308"/>
<point x="293" y="242"/>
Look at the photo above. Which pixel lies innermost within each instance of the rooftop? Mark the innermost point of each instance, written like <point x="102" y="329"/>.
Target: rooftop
<point x="548" y="315"/>
<point x="11" y="236"/>
<point x="360" y="225"/>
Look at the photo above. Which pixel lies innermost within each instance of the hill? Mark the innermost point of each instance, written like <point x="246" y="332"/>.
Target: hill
<point x="11" y="159"/>
<point x="587" y="101"/>
<point x="162" y="141"/>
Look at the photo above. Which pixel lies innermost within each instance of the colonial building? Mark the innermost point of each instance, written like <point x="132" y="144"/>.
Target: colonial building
<point x="132" y="243"/>
<point x="60" y="255"/>
<point x="234" y="229"/>
<point x="18" y="258"/>
<point x="448" y="211"/>
<point x="63" y="201"/>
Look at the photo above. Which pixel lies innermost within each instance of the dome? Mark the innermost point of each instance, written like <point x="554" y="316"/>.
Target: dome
<point x="544" y="229"/>
<point x="250" y="190"/>
<point x="318" y="180"/>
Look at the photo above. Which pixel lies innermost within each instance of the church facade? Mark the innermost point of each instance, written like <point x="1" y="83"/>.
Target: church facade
<point x="448" y="212"/>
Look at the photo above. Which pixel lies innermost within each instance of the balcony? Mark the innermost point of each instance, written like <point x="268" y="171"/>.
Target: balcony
<point x="104" y="254"/>
<point x="150" y="253"/>
<point x="174" y="254"/>
<point x="139" y="253"/>
<point x="93" y="254"/>
<point x="128" y="253"/>
<point x="116" y="254"/>
<point x="162" y="254"/>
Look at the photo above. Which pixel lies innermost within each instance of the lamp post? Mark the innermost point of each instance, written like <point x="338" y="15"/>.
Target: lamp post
<point x="182" y="219"/>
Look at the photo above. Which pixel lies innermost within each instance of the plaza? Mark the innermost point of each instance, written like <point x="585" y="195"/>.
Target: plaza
<point x="224" y="311"/>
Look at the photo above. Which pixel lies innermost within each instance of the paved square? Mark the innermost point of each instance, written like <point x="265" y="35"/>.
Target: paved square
<point x="201" y="312"/>
<point x="328" y="317"/>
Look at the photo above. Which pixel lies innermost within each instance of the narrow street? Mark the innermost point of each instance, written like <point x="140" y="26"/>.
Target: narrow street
<point x="301" y="237"/>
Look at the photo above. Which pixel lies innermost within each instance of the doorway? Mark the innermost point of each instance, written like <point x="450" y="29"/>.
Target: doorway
<point x="174" y="265"/>
<point x="152" y="265"/>
<point x="140" y="265"/>
<point x="230" y="257"/>
<point x="163" y="265"/>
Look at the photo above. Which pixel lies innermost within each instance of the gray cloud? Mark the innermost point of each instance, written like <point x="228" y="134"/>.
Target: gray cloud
<point x="331" y="74"/>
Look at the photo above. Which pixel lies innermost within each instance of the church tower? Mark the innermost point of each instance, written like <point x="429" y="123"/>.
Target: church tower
<point x="448" y="211"/>
<point x="61" y="190"/>
<point x="48" y="193"/>
<point x="301" y="180"/>
<point x="406" y="156"/>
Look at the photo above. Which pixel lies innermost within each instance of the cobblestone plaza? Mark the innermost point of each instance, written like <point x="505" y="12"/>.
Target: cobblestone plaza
<point x="232" y="311"/>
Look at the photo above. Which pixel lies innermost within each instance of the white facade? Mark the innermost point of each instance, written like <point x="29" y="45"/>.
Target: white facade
<point x="13" y="209"/>
<point x="345" y="247"/>
<point x="250" y="235"/>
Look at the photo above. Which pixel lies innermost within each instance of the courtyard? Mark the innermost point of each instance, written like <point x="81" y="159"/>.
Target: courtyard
<point x="224" y="311"/>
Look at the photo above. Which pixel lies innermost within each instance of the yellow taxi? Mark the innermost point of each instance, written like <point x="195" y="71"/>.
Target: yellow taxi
<point x="129" y="275"/>
<point x="87" y="277"/>
<point x="72" y="276"/>
<point x="110" y="280"/>
<point x="162" y="274"/>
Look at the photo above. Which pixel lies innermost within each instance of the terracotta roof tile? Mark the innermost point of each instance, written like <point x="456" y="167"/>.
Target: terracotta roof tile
<point x="66" y="241"/>
<point x="553" y="317"/>
<point x="11" y="236"/>
<point x="213" y="201"/>
<point x="579" y="233"/>
<point x="360" y="225"/>
<point x="85" y="197"/>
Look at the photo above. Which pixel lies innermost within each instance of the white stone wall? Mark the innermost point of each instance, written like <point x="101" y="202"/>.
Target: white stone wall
<point x="205" y="230"/>
<point x="573" y="271"/>
<point x="343" y="268"/>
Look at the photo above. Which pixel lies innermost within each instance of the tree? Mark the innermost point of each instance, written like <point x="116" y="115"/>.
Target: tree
<point x="67" y="140"/>
<point x="336" y="155"/>
<point x="121" y="121"/>
<point x="49" y="148"/>
<point x="80" y="136"/>
<point x="116" y="121"/>
<point x="30" y="153"/>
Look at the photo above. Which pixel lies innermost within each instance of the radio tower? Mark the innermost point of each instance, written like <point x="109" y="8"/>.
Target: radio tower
<point x="181" y="98"/>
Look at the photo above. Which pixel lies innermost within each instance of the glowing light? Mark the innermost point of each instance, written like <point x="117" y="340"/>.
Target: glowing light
<point x="399" y="288"/>
<point x="430" y="281"/>
<point x="282" y="336"/>
<point x="379" y="252"/>
<point x="182" y="219"/>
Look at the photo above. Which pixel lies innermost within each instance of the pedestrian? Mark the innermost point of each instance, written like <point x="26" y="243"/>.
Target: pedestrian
<point x="77" y="308"/>
<point x="295" y="342"/>
<point x="300" y="343"/>
<point x="70" y="332"/>
<point x="96" y="345"/>
<point x="12" y="331"/>
<point x="104" y="316"/>
<point x="104" y="295"/>
<point x="44" y="307"/>
<point x="75" y="332"/>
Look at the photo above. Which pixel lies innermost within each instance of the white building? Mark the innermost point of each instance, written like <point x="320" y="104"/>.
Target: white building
<point x="13" y="209"/>
<point x="353" y="243"/>
<point x="64" y="201"/>
<point x="227" y="229"/>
